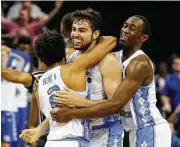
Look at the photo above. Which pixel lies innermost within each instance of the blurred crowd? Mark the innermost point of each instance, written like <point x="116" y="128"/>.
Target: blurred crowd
<point x="22" y="24"/>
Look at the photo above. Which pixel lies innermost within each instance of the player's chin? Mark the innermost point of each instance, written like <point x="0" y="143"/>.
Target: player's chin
<point x="124" y="43"/>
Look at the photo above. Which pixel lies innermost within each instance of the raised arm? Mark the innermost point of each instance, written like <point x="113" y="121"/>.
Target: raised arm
<point x="17" y="77"/>
<point x="52" y="14"/>
<point x="91" y="58"/>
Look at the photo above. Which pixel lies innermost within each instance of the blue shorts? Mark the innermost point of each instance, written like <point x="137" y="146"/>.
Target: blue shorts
<point x="8" y="127"/>
<point x="22" y="119"/>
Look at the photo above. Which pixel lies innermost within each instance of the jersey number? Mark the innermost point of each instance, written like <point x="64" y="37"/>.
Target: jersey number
<point x="51" y="91"/>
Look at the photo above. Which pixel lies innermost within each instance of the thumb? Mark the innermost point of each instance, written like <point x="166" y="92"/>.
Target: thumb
<point x="26" y="131"/>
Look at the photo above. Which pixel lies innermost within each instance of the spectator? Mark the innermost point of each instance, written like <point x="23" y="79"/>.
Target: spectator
<point x="8" y="105"/>
<point x="174" y="121"/>
<point x="160" y="79"/>
<point x="25" y="26"/>
<point x="171" y="90"/>
<point x="35" y="11"/>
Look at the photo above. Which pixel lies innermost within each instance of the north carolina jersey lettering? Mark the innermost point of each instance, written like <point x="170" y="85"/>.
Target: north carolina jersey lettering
<point x="77" y="129"/>
<point x="141" y="110"/>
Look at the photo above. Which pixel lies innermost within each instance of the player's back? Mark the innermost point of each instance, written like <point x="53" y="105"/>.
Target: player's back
<point x="141" y="110"/>
<point x="49" y="83"/>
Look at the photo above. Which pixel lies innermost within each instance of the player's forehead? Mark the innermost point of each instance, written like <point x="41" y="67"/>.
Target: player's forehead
<point x="135" y="21"/>
<point x="81" y="23"/>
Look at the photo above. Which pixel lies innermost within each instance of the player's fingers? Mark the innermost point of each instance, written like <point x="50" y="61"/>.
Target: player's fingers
<point x="26" y="138"/>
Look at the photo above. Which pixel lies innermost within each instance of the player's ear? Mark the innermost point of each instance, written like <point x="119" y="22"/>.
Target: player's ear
<point x="144" y="38"/>
<point x="96" y="34"/>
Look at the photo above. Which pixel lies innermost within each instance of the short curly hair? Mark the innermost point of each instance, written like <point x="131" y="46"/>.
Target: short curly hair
<point x="93" y="16"/>
<point x="50" y="47"/>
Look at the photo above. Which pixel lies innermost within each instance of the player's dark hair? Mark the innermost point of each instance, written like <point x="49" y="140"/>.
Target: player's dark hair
<point x="147" y="25"/>
<point x="67" y="22"/>
<point x="93" y="16"/>
<point x="50" y="47"/>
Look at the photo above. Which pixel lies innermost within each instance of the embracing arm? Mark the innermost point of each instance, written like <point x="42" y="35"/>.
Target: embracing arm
<point x="17" y="77"/>
<point x="110" y="69"/>
<point x="136" y="73"/>
<point x="93" y="57"/>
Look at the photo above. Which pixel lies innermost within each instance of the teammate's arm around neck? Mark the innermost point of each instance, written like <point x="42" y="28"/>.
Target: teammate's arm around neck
<point x="91" y="58"/>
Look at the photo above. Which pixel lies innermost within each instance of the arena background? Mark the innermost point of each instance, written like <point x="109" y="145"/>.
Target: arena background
<point x="163" y="16"/>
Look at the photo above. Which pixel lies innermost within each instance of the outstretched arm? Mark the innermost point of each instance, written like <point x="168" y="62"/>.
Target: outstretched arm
<point x="17" y="77"/>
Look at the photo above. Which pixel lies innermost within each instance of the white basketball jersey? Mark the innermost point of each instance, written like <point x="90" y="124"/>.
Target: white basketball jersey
<point x="8" y="96"/>
<point x="95" y="92"/>
<point x="49" y="83"/>
<point x="141" y="110"/>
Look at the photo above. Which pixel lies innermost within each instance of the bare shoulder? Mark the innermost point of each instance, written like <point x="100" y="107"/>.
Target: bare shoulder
<point x="140" y="66"/>
<point x="110" y="64"/>
<point x="109" y="59"/>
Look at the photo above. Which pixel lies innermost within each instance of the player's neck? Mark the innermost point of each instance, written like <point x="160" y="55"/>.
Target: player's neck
<point x="89" y="48"/>
<point x="128" y="51"/>
<point x="56" y="64"/>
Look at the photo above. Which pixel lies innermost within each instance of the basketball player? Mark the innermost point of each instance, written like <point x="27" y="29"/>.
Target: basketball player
<point x="8" y="106"/>
<point x="49" y="48"/>
<point x="135" y="98"/>
<point x="101" y="83"/>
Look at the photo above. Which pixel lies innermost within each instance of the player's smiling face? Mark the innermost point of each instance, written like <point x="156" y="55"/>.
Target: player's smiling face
<point x="132" y="32"/>
<point x="81" y="34"/>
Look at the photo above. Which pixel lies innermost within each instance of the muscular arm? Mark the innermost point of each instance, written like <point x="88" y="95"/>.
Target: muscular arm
<point x="136" y="73"/>
<point x="110" y="69"/>
<point x="17" y="77"/>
